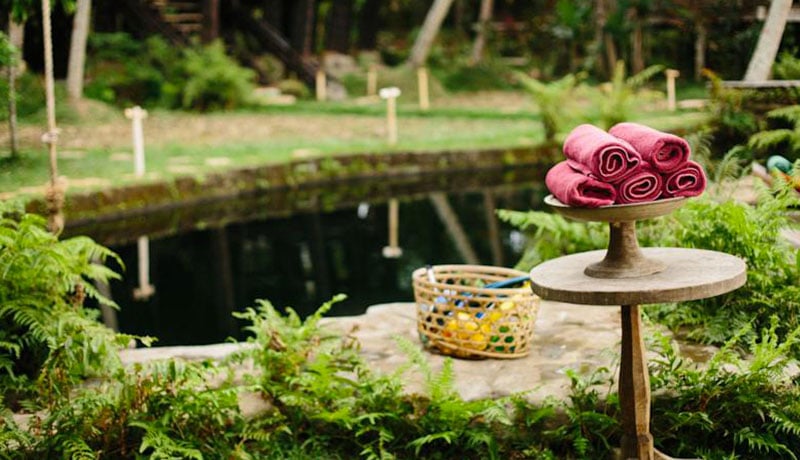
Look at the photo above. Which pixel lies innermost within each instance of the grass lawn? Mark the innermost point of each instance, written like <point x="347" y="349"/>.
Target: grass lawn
<point x="95" y="140"/>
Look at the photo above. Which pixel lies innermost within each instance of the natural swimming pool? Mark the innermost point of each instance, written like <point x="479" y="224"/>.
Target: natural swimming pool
<point x="301" y="253"/>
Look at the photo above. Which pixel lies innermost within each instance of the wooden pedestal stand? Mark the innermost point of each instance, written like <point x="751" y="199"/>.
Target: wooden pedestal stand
<point x="629" y="276"/>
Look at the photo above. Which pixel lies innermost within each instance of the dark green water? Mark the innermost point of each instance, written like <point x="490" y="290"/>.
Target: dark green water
<point x="302" y="259"/>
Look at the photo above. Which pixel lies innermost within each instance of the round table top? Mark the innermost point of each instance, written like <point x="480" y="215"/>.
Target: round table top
<point x="690" y="274"/>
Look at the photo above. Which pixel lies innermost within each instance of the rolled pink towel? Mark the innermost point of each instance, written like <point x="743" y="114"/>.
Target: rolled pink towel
<point x="690" y="180"/>
<point x="574" y="188"/>
<point x="608" y="158"/>
<point x="645" y="184"/>
<point x="664" y="151"/>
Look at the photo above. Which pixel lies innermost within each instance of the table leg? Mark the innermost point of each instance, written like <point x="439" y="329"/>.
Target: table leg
<point x="634" y="388"/>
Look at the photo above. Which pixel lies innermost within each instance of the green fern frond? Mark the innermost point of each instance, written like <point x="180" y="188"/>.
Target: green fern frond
<point x="789" y="113"/>
<point x="445" y="436"/>
<point x="768" y="139"/>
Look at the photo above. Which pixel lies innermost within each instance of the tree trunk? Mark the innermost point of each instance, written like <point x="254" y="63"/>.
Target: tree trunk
<point x="273" y="13"/>
<point x="16" y="35"/>
<point x="337" y="33"/>
<point x="302" y="32"/>
<point x="637" y="45"/>
<point x="77" y="49"/>
<point x="430" y="28"/>
<point x="597" y="42"/>
<point x="368" y="25"/>
<point x="700" y="43"/>
<point x="484" y="18"/>
<point x="769" y="41"/>
<point x="210" y="20"/>
<point x="608" y="42"/>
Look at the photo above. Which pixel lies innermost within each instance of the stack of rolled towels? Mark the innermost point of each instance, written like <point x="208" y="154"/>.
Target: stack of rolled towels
<point x="631" y="163"/>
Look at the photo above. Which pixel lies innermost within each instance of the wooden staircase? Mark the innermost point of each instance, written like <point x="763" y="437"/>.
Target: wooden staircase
<point x="185" y="16"/>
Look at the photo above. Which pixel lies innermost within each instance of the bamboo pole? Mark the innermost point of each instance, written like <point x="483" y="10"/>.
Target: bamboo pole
<point x="672" y="74"/>
<point x="391" y="94"/>
<point x="55" y="194"/>
<point x="321" y="82"/>
<point x="422" y="81"/>
<point x="372" y="81"/>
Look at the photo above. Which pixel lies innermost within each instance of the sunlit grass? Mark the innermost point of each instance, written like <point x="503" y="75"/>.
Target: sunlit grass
<point x="96" y="154"/>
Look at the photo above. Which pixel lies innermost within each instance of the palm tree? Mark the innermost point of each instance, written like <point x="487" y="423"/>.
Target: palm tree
<point x="768" y="41"/>
<point x="430" y="28"/>
<point x="77" y="50"/>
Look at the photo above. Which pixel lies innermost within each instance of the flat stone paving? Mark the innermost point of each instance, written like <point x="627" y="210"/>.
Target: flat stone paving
<point x="566" y="336"/>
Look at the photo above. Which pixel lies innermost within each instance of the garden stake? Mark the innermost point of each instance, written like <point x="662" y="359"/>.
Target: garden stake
<point x="393" y="251"/>
<point x="137" y="114"/>
<point x="391" y="94"/>
<point x="372" y="81"/>
<point x="672" y="74"/>
<point x="322" y="93"/>
<point x="145" y="290"/>
<point x="422" y="81"/>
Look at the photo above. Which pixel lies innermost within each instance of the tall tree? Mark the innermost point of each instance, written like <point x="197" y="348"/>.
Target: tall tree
<point x="337" y="32"/>
<point x="768" y="41"/>
<point x="430" y="28"/>
<point x="210" y="20"/>
<point x="302" y="31"/>
<point x="77" y="49"/>
<point x="8" y="58"/>
<point x="369" y="24"/>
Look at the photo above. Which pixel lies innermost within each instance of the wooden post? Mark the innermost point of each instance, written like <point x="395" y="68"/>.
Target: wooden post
<point x="137" y="114"/>
<point x="372" y="81"/>
<point x="672" y="74"/>
<point x="321" y="81"/>
<point x="393" y="250"/>
<point x="145" y="289"/>
<point x="391" y="94"/>
<point x="422" y="83"/>
<point x="634" y="388"/>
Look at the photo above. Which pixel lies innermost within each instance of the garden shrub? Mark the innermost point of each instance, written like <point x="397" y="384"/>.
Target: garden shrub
<point x="752" y="233"/>
<point x="214" y="80"/>
<point x="787" y="67"/>
<point x="730" y="407"/>
<point x="125" y="71"/>
<point x="488" y="74"/>
<point x="294" y="87"/>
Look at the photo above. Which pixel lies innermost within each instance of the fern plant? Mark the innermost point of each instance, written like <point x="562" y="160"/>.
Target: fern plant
<point x="553" y="100"/>
<point x="551" y="235"/>
<point x="617" y="99"/>
<point x="45" y="333"/>
<point x="733" y="406"/>
<point x="784" y="141"/>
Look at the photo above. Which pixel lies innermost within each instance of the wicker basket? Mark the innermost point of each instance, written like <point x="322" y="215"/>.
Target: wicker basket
<point x="459" y="317"/>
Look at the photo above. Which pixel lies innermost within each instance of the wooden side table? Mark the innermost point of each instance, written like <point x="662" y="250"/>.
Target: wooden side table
<point x="671" y="275"/>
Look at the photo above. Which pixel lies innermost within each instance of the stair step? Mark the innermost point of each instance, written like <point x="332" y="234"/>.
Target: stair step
<point x="176" y="7"/>
<point x="186" y="27"/>
<point x="183" y="17"/>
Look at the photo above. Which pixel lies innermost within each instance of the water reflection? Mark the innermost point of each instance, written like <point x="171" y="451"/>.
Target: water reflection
<point x="301" y="260"/>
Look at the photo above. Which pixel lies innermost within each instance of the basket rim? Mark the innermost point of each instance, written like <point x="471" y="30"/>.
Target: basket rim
<point x="419" y="277"/>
